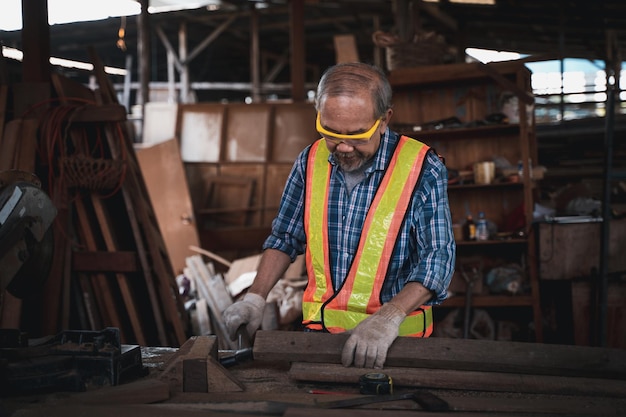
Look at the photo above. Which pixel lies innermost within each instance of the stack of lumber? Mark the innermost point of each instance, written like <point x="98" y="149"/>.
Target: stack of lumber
<point x="139" y="297"/>
<point x="109" y="264"/>
<point x="211" y="299"/>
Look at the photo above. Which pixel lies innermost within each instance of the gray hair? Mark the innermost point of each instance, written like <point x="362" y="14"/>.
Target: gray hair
<point x="348" y="79"/>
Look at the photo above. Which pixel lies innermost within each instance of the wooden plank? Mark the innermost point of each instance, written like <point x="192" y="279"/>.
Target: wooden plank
<point x="213" y="283"/>
<point x="195" y="375"/>
<point x="444" y="73"/>
<point x="106" y="92"/>
<point x="89" y="299"/>
<point x="69" y="90"/>
<point x="241" y="119"/>
<point x="66" y="290"/>
<point x="100" y="281"/>
<point x="91" y="113"/>
<point x="122" y="280"/>
<point x="59" y="273"/>
<point x="200" y="129"/>
<point x="221" y="379"/>
<point x="202" y="318"/>
<point x="312" y="412"/>
<point x="217" y="302"/>
<point x="255" y="173"/>
<point x="4" y="91"/>
<point x="122" y="410"/>
<point x="103" y="261"/>
<point x="164" y="176"/>
<point x="198" y="355"/>
<point x="201" y="372"/>
<point x="462" y="380"/>
<point x="444" y="353"/>
<point x="81" y="315"/>
<point x="145" y="225"/>
<point x="583" y="300"/>
<point x="30" y="99"/>
<point x="12" y="132"/>
<point x="159" y="122"/>
<point x="293" y="130"/>
<point x="194" y="368"/>
<point x="466" y="405"/>
<point x="146" y="266"/>
<point x="345" y="48"/>
<point x="564" y="255"/>
<point x="211" y="255"/>
<point x="141" y="391"/>
<point x="228" y="199"/>
<point x="150" y="244"/>
<point x="10" y="311"/>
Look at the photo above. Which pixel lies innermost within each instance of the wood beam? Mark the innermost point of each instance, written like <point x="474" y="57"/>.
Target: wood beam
<point x="445" y="353"/>
<point x="36" y="41"/>
<point x="298" y="45"/>
<point x="143" y="52"/>
<point x="461" y="380"/>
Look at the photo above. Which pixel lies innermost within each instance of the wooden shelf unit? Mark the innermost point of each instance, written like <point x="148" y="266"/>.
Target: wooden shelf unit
<point x="471" y="92"/>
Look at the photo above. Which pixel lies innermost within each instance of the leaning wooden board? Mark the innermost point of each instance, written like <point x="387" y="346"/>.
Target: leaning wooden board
<point x="445" y="353"/>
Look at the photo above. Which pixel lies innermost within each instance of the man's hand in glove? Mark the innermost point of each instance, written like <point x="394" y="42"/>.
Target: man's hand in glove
<point x="248" y="310"/>
<point x="369" y="341"/>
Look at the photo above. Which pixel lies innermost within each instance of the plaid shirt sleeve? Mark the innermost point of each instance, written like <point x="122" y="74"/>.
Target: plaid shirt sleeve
<point x="432" y="231"/>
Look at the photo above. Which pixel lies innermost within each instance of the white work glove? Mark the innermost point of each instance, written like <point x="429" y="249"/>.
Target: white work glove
<point x="369" y="341"/>
<point x="248" y="311"/>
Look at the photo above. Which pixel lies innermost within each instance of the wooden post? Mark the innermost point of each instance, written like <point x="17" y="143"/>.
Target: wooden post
<point x="296" y="36"/>
<point x="36" y="41"/>
<point x="143" y="53"/>
<point x="254" y="56"/>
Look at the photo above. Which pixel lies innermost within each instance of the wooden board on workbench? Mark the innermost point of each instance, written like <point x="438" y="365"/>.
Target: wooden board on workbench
<point x="194" y="368"/>
<point x="123" y="410"/>
<point x="460" y="380"/>
<point x="445" y="353"/>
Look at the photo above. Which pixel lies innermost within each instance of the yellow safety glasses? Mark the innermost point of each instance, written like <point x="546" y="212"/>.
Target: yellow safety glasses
<point x="351" y="139"/>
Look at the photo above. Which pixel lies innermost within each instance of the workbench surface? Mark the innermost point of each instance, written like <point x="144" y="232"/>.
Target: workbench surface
<point x="272" y="388"/>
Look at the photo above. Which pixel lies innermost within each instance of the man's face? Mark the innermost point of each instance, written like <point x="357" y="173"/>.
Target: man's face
<point x="352" y="134"/>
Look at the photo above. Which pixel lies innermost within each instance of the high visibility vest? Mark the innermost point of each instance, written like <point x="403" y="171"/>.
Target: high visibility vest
<point x="359" y="295"/>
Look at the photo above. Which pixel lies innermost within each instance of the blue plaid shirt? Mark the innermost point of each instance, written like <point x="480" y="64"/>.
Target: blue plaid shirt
<point x="425" y="249"/>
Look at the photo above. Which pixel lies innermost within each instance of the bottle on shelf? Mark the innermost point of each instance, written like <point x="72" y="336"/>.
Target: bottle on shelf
<point x="520" y="168"/>
<point x="482" y="232"/>
<point x="469" y="228"/>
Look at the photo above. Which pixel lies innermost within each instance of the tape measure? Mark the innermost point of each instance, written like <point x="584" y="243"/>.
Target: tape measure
<point x="375" y="383"/>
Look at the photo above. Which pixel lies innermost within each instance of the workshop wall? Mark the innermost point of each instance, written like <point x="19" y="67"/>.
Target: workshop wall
<point x="237" y="158"/>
